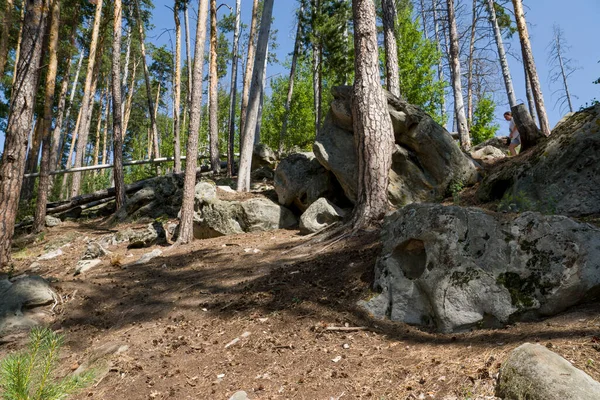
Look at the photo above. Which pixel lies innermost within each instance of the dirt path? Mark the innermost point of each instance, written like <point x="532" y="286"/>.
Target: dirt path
<point x="250" y="312"/>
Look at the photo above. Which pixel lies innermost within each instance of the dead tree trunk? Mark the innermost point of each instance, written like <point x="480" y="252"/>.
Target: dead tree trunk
<point x="233" y="93"/>
<point x="529" y="133"/>
<point x="249" y="71"/>
<point x="213" y="112"/>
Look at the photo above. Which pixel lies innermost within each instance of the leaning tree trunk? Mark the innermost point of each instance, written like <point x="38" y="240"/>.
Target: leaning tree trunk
<point x="373" y="134"/>
<point x="459" y="105"/>
<point x="213" y="112"/>
<point x="391" y="48"/>
<point x="18" y="49"/>
<point x="5" y="24"/>
<point x="153" y="127"/>
<point x="529" y="93"/>
<point x="44" y="182"/>
<point x="186" y="231"/>
<point x="510" y="91"/>
<point x="177" y="91"/>
<point x="290" y="93"/>
<point x="529" y="133"/>
<point x="249" y="71"/>
<point x="531" y="70"/>
<point x="116" y="103"/>
<point x="243" y="181"/>
<point x="129" y="102"/>
<point x="233" y="91"/>
<point x="19" y="123"/>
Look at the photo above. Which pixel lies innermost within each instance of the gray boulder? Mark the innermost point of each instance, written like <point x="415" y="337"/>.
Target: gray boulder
<point x="560" y="175"/>
<point x="426" y="161"/>
<point x="86" y="265"/>
<point x="263" y="156"/>
<point x="535" y="373"/>
<point x="94" y="250"/>
<point x="146" y="237"/>
<point x="204" y="191"/>
<point x="456" y="268"/>
<point x="319" y="215"/>
<point x="52" y="221"/>
<point x="487" y="153"/>
<point x="300" y="180"/>
<point x="261" y="214"/>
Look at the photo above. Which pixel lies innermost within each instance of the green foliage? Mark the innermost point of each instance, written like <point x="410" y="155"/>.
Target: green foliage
<point x="455" y="187"/>
<point x="483" y="126"/>
<point x="504" y="19"/>
<point x="30" y="375"/>
<point x="417" y="61"/>
<point x="520" y="202"/>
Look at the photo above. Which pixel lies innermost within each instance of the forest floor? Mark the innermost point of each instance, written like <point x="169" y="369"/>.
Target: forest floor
<point x="255" y="312"/>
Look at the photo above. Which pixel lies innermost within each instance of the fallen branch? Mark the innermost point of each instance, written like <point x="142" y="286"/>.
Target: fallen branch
<point x="346" y="328"/>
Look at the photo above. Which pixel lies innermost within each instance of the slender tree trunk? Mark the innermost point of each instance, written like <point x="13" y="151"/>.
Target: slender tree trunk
<point x="188" y="46"/>
<point x="249" y="71"/>
<point x="73" y="140"/>
<point x="440" y="67"/>
<point x="99" y="127"/>
<point x="153" y="127"/>
<point x="243" y="181"/>
<point x="233" y="92"/>
<point x="459" y="107"/>
<point x="129" y="102"/>
<point x="19" y="123"/>
<point x="510" y="91"/>
<point x="263" y="88"/>
<point x="186" y="231"/>
<point x="529" y="94"/>
<point x="44" y="182"/>
<point x="423" y="17"/>
<point x="531" y="70"/>
<point x="155" y="114"/>
<point x="31" y="164"/>
<point x="5" y="23"/>
<point x="126" y="68"/>
<point x="19" y="40"/>
<point x="116" y="103"/>
<point x="84" y="126"/>
<point x="391" y="48"/>
<point x="290" y="93"/>
<point x="316" y="64"/>
<point x="470" y="65"/>
<point x="177" y="91"/>
<point x="105" y="130"/>
<point x="373" y="135"/>
<point x="213" y="112"/>
<point x="563" y="74"/>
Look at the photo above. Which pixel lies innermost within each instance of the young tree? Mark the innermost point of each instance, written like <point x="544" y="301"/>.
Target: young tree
<point x="116" y="104"/>
<point x="233" y="90"/>
<point x="440" y="66"/>
<point x="19" y="122"/>
<point x="483" y="126"/>
<point x="215" y="161"/>
<point x="177" y="91"/>
<point x="531" y="69"/>
<point x="391" y="51"/>
<point x="249" y="70"/>
<point x="5" y="23"/>
<point x="373" y="135"/>
<point x="243" y="181"/>
<point x="459" y="107"/>
<point x="186" y="231"/>
<point x="43" y="184"/>
<point x="561" y="66"/>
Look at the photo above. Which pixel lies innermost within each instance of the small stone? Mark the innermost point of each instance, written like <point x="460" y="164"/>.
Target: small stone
<point x="346" y="346"/>
<point x="35" y="266"/>
<point x="85" y="265"/>
<point x="239" y="395"/>
<point x="337" y="359"/>
<point x="52" y="221"/>
<point x="50" y="255"/>
<point x="220" y="376"/>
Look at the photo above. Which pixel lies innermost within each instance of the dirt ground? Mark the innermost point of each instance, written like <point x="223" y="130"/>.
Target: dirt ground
<point x="273" y="314"/>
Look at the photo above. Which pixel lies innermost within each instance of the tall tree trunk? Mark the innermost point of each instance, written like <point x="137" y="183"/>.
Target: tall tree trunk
<point x="249" y="71"/>
<point x="186" y="231"/>
<point x="5" y="23"/>
<point x="529" y="94"/>
<point x="105" y="130"/>
<point x="459" y="105"/>
<point x="127" y="113"/>
<point x="243" y="181"/>
<point x="126" y="67"/>
<point x="116" y="103"/>
<point x="316" y="63"/>
<point x="290" y="93"/>
<point x="561" y="64"/>
<point x="233" y="91"/>
<point x="188" y="46"/>
<point x="424" y="18"/>
<point x="99" y="126"/>
<point x="263" y="88"/>
<point x="470" y="65"/>
<point x="440" y="67"/>
<point x="155" y="114"/>
<point x="42" y="198"/>
<point x="31" y="164"/>
<point x="373" y="135"/>
<point x="153" y="127"/>
<point x="531" y="70"/>
<point x="84" y="126"/>
<point x="391" y="48"/>
<point x="69" y="163"/>
<point x="510" y="91"/>
<point x="177" y="91"/>
<point x="19" y="41"/>
<point x="213" y="112"/>
<point x="19" y="123"/>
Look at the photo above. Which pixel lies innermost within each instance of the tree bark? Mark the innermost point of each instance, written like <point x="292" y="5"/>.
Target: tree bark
<point x="129" y="103"/>
<point x="531" y="70"/>
<point x="44" y="182"/>
<point x="186" y="231"/>
<point x="31" y="163"/>
<point x="391" y="47"/>
<point x="5" y="23"/>
<point x="233" y="91"/>
<point x="261" y="101"/>
<point x="99" y="126"/>
<point x="373" y="134"/>
<point x="19" y="40"/>
<point x="84" y="126"/>
<point x="529" y="93"/>
<point x="177" y="91"/>
<point x="290" y="93"/>
<point x="440" y="64"/>
<point x="470" y="65"/>
<point x="510" y="91"/>
<point x="243" y="181"/>
<point x="316" y="64"/>
<point x="116" y="103"/>
<point x="459" y="105"/>
<point x="105" y="130"/>
<point x="188" y="45"/>
<point x="529" y="133"/>
<point x="126" y="67"/>
<point x="249" y="71"/>
<point x="19" y="123"/>
<point x="153" y="127"/>
<point x="213" y="112"/>
<point x="154" y="135"/>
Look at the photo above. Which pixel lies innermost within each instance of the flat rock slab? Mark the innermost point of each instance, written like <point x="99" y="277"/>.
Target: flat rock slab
<point x="86" y="265"/>
<point x="535" y="373"/>
<point x="50" y="255"/>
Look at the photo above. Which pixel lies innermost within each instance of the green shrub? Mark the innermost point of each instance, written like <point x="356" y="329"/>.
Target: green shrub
<point x="30" y="375"/>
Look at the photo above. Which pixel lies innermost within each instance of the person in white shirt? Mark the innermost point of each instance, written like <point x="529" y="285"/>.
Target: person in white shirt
<point x="515" y="137"/>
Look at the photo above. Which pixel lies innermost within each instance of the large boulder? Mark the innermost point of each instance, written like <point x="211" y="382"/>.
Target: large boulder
<point x="261" y="214"/>
<point x="560" y="175"/>
<point x="535" y="373"/>
<point x="263" y="156"/>
<point x="320" y="215"/>
<point x="426" y="160"/>
<point x="455" y="268"/>
<point x="300" y="180"/>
